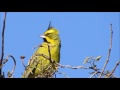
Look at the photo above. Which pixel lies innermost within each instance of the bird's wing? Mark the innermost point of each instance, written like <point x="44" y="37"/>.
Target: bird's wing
<point x="32" y="62"/>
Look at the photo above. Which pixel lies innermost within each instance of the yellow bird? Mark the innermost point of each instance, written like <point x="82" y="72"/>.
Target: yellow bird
<point x="43" y="62"/>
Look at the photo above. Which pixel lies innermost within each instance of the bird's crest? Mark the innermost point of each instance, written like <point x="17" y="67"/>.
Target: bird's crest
<point x="49" y="27"/>
<point x="53" y="30"/>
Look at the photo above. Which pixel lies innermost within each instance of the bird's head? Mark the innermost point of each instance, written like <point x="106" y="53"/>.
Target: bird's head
<point x="51" y="35"/>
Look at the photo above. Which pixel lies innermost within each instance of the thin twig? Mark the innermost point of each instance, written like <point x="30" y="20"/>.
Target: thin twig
<point x="2" y="53"/>
<point x="54" y="73"/>
<point x="45" y="56"/>
<point x="109" y="50"/>
<point x="37" y="46"/>
<point x="3" y="75"/>
<point x="49" y="52"/>
<point x="77" y="67"/>
<point x="31" y="61"/>
<point x="6" y="60"/>
<point x="114" y="68"/>
<point x="22" y="58"/>
<point x="93" y="74"/>
<point x="14" y="63"/>
<point x="63" y="74"/>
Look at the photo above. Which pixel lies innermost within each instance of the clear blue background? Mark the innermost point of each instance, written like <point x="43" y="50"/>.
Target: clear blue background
<point x="83" y="34"/>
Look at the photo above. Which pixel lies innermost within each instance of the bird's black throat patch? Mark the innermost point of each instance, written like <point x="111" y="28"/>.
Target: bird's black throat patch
<point x="45" y="40"/>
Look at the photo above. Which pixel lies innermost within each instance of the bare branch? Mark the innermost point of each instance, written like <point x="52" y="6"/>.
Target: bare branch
<point x="2" y="53"/>
<point x="22" y="58"/>
<point x="37" y="46"/>
<point x="45" y="56"/>
<point x="93" y="74"/>
<point x="6" y="60"/>
<point x="25" y="75"/>
<point x="63" y="74"/>
<point x="77" y="67"/>
<point x="114" y="68"/>
<point x="14" y="64"/>
<point x="109" y="50"/>
<point x="3" y="75"/>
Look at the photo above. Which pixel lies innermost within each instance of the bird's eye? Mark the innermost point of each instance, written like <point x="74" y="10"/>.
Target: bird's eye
<point x="48" y="34"/>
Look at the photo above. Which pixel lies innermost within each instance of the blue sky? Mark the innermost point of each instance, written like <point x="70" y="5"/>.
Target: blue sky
<point x="83" y="34"/>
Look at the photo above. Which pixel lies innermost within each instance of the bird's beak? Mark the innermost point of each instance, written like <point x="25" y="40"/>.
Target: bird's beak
<point x="42" y="36"/>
